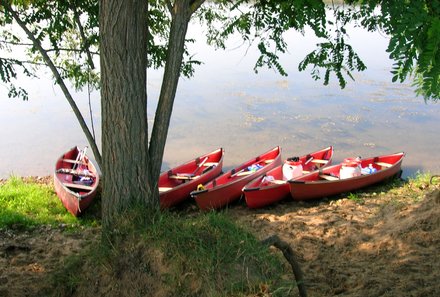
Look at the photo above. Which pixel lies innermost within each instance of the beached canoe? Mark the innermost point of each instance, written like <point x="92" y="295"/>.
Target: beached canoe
<point x="273" y="186"/>
<point x="226" y="188"/>
<point x="76" y="180"/>
<point x="175" y="185"/>
<point x="327" y="182"/>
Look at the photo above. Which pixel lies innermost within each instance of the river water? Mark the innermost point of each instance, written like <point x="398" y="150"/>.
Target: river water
<point x="227" y="105"/>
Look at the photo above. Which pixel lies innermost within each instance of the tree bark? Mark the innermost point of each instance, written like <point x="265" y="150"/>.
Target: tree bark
<point x="123" y="33"/>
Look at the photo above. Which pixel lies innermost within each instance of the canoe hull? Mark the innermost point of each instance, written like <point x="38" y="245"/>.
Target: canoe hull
<point x="180" y="189"/>
<point x="259" y="193"/>
<point x="311" y="186"/>
<point x="261" y="197"/>
<point x="75" y="200"/>
<point x="227" y="188"/>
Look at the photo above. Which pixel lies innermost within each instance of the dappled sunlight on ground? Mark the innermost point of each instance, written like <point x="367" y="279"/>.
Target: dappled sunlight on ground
<point x="377" y="245"/>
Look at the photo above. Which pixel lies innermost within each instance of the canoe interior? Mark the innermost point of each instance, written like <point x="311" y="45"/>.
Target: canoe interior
<point x="191" y="170"/>
<point x="242" y="171"/>
<point x="379" y="163"/>
<point x="69" y="172"/>
<point x="326" y="182"/>
<point x="176" y="184"/>
<point x="310" y="162"/>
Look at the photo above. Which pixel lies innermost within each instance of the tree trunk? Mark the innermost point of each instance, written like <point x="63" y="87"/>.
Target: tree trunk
<point x="124" y="110"/>
<point x="181" y="14"/>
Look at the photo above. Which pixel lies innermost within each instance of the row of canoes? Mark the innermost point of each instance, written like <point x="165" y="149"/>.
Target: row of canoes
<point x="261" y="180"/>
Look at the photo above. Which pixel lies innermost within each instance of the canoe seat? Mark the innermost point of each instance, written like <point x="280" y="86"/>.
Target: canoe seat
<point x="328" y="177"/>
<point x="243" y="173"/>
<point x="74" y="161"/>
<point x="319" y="161"/>
<point x="209" y="164"/>
<point x="74" y="172"/>
<point x="278" y="181"/>
<point x="78" y="186"/>
<point x="268" y="161"/>
<point x="164" y="189"/>
<point x="383" y="164"/>
<point x="305" y="171"/>
<point x="183" y="176"/>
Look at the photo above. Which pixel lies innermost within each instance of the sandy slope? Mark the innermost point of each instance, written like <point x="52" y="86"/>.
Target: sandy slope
<point x="382" y="244"/>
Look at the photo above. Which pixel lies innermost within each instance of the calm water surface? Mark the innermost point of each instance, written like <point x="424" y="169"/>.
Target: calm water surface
<point x="227" y="105"/>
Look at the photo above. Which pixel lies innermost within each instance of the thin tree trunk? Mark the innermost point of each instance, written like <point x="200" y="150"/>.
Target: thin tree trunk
<point x="124" y="108"/>
<point x="181" y="13"/>
<point x="60" y="82"/>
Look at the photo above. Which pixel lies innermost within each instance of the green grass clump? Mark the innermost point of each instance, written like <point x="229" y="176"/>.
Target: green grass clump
<point x="421" y="180"/>
<point x="26" y="204"/>
<point x="199" y="255"/>
<point x="226" y="257"/>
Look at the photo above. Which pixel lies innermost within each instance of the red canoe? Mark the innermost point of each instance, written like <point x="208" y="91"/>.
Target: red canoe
<point x="227" y="187"/>
<point x="271" y="187"/>
<point x="326" y="182"/>
<point x="76" y="180"/>
<point x="176" y="184"/>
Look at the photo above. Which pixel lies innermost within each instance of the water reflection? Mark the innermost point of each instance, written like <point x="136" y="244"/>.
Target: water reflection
<point x="227" y="105"/>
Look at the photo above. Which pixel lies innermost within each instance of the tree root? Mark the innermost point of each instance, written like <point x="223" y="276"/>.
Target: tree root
<point x="290" y="257"/>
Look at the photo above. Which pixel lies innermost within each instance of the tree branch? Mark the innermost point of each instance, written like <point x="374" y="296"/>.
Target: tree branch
<point x="49" y="49"/>
<point x="290" y="257"/>
<point x="170" y="6"/>
<point x="175" y="50"/>
<point x="15" y="43"/>
<point x="19" y="62"/>
<point x="195" y="5"/>
<point x="85" y="43"/>
<point x="60" y="82"/>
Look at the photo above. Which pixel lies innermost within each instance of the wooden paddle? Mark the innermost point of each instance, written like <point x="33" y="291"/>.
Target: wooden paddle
<point x="80" y="157"/>
<point x="309" y="160"/>
<point x="200" y="165"/>
<point x="189" y="175"/>
<point x="236" y="173"/>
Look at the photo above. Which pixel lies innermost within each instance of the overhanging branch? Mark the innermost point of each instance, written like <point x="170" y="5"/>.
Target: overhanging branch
<point x="60" y="82"/>
<point x="85" y="43"/>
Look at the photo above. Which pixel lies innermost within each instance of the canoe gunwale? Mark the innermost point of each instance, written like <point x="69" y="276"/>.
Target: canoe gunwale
<point x="198" y="192"/>
<point x="260" y="192"/>
<point x="179" y="192"/>
<point x="309" y="186"/>
<point x="75" y="201"/>
<point x="251" y="189"/>
<point x="222" y="191"/>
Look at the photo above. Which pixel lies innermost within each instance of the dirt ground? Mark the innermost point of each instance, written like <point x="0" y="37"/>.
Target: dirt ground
<point x="374" y="244"/>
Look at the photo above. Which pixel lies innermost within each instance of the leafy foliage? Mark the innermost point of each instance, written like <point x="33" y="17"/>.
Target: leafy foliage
<point x="413" y="27"/>
<point x="69" y="31"/>
<point x="414" y="31"/>
<point x="8" y="72"/>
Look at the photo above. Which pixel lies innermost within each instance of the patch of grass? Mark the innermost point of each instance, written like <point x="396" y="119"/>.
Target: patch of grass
<point x="228" y="258"/>
<point x="27" y="204"/>
<point x="355" y="197"/>
<point x="201" y="255"/>
<point x="421" y="180"/>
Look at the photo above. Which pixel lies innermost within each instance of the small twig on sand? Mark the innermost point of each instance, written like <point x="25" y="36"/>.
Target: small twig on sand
<point x="290" y="257"/>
